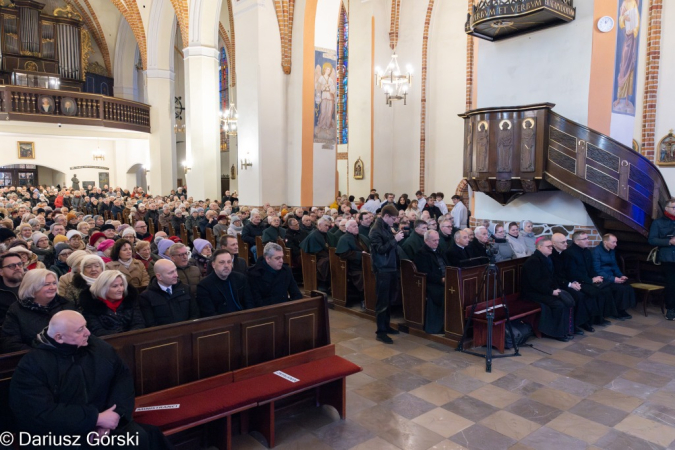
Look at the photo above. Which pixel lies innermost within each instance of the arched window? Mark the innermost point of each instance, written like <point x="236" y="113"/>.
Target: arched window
<point x="224" y="89"/>
<point x="343" y="76"/>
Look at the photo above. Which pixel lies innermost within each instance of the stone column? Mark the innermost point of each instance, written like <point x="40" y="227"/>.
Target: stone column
<point x="202" y="122"/>
<point x="162" y="176"/>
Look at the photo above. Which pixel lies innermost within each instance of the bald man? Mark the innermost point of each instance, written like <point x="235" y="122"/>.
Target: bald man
<point x="167" y="300"/>
<point x="73" y="383"/>
<point x="350" y="247"/>
<point x="430" y="260"/>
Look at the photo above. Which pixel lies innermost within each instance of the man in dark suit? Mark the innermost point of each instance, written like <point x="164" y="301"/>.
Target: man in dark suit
<point x="431" y="262"/>
<point x="350" y="247"/>
<point x="458" y="255"/>
<point x="416" y="240"/>
<point x="231" y="244"/>
<point x="539" y="285"/>
<point x="271" y="280"/>
<point x="579" y="267"/>
<point x="224" y="291"/>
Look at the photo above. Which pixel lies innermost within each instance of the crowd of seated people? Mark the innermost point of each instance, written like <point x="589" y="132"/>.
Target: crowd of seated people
<point x="122" y="277"/>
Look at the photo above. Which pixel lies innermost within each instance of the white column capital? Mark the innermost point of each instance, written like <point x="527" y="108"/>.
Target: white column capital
<point x="199" y="50"/>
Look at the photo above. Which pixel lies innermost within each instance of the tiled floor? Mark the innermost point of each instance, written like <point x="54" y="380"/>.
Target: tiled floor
<point x="612" y="389"/>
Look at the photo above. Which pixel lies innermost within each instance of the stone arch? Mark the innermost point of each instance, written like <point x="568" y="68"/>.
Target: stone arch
<point x="125" y="61"/>
<point x="135" y="176"/>
<point x="132" y="15"/>
<point x="161" y="36"/>
<point x="204" y="23"/>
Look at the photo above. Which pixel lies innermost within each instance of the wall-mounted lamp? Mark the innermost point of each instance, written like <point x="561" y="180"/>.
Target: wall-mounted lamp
<point x="187" y="166"/>
<point x="245" y="164"/>
<point x="146" y="169"/>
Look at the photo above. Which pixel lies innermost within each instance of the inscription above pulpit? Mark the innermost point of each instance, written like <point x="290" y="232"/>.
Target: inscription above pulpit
<point x="495" y="20"/>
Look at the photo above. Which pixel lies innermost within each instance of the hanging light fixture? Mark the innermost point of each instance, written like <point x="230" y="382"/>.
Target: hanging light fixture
<point x="98" y="154"/>
<point x="394" y="84"/>
<point x="229" y="120"/>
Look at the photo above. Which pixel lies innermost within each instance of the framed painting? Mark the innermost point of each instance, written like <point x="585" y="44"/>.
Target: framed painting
<point x="26" y="150"/>
<point x="358" y="169"/>
<point x="665" y="155"/>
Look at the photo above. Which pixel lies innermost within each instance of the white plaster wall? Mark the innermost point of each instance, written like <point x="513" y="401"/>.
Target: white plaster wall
<point x="540" y="207"/>
<point x="665" y="115"/>
<point x="446" y="97"/>
<point x="552" y="65"/>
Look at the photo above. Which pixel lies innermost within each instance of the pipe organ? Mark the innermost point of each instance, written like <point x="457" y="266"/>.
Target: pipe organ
<point x="39" y="50"/>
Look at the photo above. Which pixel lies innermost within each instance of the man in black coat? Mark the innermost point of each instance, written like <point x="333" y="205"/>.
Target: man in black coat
<point x="539" y="285"/>
<point x="416" y="240"/>
<point x="588" y="308"/>
<point x="74" y="384"/>
<point x="273" y="231"/>
<point x="252" y="230"/>
<point x="271" y="280"/>
<point x="458" y="254"/>
<point x="294" y="236"/>
<point x="350" y="247"/>
<point x="579" y="267"/>
<point x="316" y="244"/>
<point x="167" y="300"/>
<point x="11" y="274"/>
<point x="231" y="244"/>
<point x="446" y="233"/>
<point x="431" y="262"/>
<point x="478" y="247"/>
<point x="384" y="253"/>
<point x="224" y="291"/>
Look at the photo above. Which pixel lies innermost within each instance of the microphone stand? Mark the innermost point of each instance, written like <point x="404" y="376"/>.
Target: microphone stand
<point x="490" y="282"/>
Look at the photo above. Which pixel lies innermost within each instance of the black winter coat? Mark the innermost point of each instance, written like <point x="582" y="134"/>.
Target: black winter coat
<point x="579" y="264"/>
<point x="22" y="324"/>
<point x="538" y="280"/>
<point x="658" y="235"/>
<point x="102" y="321"/>
<point x="270" y="287"/>
<point x="159" y="308"/>
<point x="383" y="248"/>
<point x="250" y="232"/>
<point x="7" y="298"/>
<point x="214" y="296"/>
<point x="61" y="389"/>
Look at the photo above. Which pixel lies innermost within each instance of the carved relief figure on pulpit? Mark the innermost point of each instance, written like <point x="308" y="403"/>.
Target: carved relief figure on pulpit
<point x="483" y="141"/>
<point x="504" y="146"/>
<point x="527" y="143"/>
<point x="468" y="154"/>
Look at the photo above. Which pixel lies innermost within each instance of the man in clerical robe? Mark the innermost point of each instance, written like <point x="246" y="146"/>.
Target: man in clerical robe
<point x="350" y="248"/>
<point x="431" y="262"/>
<point x="316" y="244"/>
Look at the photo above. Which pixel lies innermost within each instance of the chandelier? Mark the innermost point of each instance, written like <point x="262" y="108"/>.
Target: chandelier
<point x="229" y="120"/>
<point x="98" y="154"/>
<point x="394" y="84"/>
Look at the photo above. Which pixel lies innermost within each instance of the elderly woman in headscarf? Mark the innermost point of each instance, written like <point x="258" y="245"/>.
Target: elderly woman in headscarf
<point x="104" y="249"/>
<point x="43" y="248"/>
<point x="163" y="246"/>
<point x="236" y="225"/>
<point x="30" y="259"/>
<point x="110" y="305"/>
<point x="528" y="235"/>
<point x="24" y="231"/>
<point x="516" y="241"/>
<point x="75" y="240"/>
<point x="37" y="302"/>
<point x="85" y="271"/>
<point x="202" y="255"/>
<point x="66" y="280"/>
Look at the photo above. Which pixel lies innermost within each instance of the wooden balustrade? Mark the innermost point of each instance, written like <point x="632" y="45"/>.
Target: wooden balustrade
<point x="22" y="103"/>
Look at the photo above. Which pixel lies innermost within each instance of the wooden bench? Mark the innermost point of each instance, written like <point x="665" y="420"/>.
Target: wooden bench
<point x="252" y="391"/>
<point x="308" y="271"/>
<point x="369" y="284"/>
<point x="151" y="227"/>
<point x="196" y="233"/>
<point x="184" y="235"/>
<point x="414" y="294"/>
<point x="519" y="308"/>
<point x="259" y="246"/>
<point x="244" y="250"/>
<point x="210" y="237"/>
<point x="172" y="231"/>
<point x="165" y="357"/>
<point x="288" y="258"/>
<point x="338" y="278"/>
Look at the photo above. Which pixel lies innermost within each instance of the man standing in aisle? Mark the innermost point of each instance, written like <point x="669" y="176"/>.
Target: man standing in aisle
<point x="662" y="234"/>
<point x="383" y="247"/>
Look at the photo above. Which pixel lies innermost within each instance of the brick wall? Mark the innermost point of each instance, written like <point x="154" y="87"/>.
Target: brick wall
<point x="469" y="66"/>
<point x="651" y="78"/>
<point x="423" y="112"/>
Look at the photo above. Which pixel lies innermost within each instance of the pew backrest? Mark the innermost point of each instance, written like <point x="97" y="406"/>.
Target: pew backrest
<point x="414" y="293"/>
<point x="308" y="271"/>
<point x="369" y="289"/>
<point x="243" y="249"/>
<point x="338" y="278"/>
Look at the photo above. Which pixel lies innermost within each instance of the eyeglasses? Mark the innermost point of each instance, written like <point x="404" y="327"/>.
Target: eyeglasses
<point x="13" y="266"/>
<point x="182" y="255"/>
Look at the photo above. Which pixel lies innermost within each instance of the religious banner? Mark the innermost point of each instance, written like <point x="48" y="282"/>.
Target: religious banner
<point x="624" y="94"/>
<point x="325" y="95"/>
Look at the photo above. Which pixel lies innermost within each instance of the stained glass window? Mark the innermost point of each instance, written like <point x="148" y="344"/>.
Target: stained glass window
<point x="343" y="77"/>
<point x="224" y="89"/>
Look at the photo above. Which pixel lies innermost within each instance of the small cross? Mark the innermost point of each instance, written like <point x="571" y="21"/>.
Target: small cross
<point x="342" y="266"/>
<point x="419" y="283"/>
<point x="452" y="290"/>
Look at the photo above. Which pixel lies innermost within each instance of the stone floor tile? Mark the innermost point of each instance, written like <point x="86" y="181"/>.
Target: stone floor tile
<point x="495" y="396"/>
<point x="436" y="393"/>
<point x="578" y="427"/>
<point x="460" y="382"/>
<point x="479" y="437"/>
<point x="443" y="422"/>
<point x="378" y="391"/>
<point x="470" y="408"/>
<point x="573" y="386"/>
<point x="518" y="385"/>
<point x="549" y="439"/>
<point x="597" y="412"/>
<point x="648" y="430"/>
<point x="616" y="440"/>
<point x="615" y="399"/>
<point x="631" y="388"/>
<point x="554" y="397"/>
<point x="407" y="381"/>
<point x="534" y="411"/>
<point x="510" y="425"/>
<point x="343" y="434"/>
<point x="408" y="405"/>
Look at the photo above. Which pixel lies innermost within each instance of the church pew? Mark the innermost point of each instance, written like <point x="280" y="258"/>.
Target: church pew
<point x="243" y="250"/>
<point x="212" y="239"/>
<point x="414" y="293"/>
<point x="461" y="286"/>
<point x="172" y="231"/>
<point x="172" y="355"/>
<point x="196" y="234"/>
<point x="151" y="227"/>
<point x="369" y="290"/>
<point x="338" y="278"/>
<point x="259" y="246"/>
<point x="120" y="218"/>
<point x="308" y="271"/>
<point x="288" y="259"/>
<point x="184" y="235"/>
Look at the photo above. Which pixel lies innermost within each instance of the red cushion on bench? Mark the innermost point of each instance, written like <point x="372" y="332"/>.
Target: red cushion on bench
<point x="270" y="386"/>
<point x="195" y="407"/>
